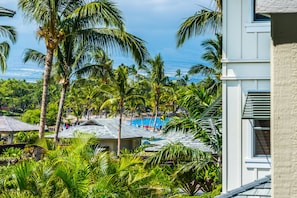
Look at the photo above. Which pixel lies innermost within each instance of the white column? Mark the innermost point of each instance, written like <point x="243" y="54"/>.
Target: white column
<point x="10" y="138"/>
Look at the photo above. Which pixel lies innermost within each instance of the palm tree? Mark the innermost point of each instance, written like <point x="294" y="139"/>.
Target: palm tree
<point x="181" y="79"/>
<point x="212" y="54"/>
<point x="120" y="92"/>
<point x="47" y="17"/>
<point x="75" y="60"/>
<point x="123" y="177"/>
<point x="10" y="33"/>
<point x="96" y="73"/>
<point x="196" y="99"/>
<point x="157" y="79"/>
<point x="189" y="167"/>
<point x="202" y="21"/>
<point x="70" y="60"/>
<point x="55" y="17"/>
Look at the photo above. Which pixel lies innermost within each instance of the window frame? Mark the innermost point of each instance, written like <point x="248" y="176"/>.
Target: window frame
<point x="250" y="112"/>
<point x="258" y="17"/>
<point x="253" y="25"/>
<point x="252" y="160"/>
<point x="254" y="140"/>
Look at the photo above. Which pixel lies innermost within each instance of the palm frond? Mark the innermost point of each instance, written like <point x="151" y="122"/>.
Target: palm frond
<point x="41" y="16"/>
<point x="4" y="52"/>
<point x="34" y="55"/>
<point x="8" y="32"/>
<point x="110" y="102"/>
<point x="111" y="39"/>
<point x="182" y="124"/>
<point x="4" y="48"/>
<point x="102" y="12"/>
<point x="6" y="12"/>
<point x="203" y="21"/>
<point x="201" y="69"/>
<point x="22" y="171"/>
<point x="174" y="153"/>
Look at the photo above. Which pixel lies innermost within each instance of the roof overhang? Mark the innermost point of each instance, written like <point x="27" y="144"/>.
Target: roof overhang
<point x="257" y="106"/>
<point x="10" y="125"/>
<point x="276" y="6"/>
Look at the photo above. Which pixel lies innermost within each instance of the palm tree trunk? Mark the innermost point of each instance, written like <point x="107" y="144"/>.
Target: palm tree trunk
<point x="132" y="116"/>
<point x="60" y="111"/>
<point x="157" y="109"/>
<point x="120" y="128"/>
<point x="155" y="120"/>
<point x="46" y="79"/>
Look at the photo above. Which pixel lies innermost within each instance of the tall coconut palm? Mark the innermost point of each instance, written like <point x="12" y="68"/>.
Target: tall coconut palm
<point x="97" y="22"/>
<point x="205" y="20"/>
<point x="157" y="79"/>
<point x="70" y="60"/>
<point x="47" y="15"/>
<point x="120" y="92"/>
<point x="8" y="32"/>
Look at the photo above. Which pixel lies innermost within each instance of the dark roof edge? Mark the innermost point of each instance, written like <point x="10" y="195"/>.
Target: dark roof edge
<point x="244" y="188"/>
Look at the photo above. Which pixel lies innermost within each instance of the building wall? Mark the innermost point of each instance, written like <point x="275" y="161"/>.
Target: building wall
<point x="284" y="104"/>
<point x="246" y="67"/>
<point x="129" y="144"/>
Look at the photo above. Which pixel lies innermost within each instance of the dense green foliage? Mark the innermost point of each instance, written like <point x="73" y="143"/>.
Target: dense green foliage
<point x="84" y="83"/>
<point x="77" y="170"/>
<point x="17" y="96"/>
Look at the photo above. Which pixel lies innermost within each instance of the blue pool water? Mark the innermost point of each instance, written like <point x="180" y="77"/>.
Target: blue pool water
<point x="149" y="122"/>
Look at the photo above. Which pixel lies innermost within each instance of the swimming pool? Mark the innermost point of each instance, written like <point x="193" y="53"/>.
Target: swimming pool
<point x="149" y="122"/>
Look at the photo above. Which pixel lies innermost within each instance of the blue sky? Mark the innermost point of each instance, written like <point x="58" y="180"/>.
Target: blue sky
<point x="155" y="21"/>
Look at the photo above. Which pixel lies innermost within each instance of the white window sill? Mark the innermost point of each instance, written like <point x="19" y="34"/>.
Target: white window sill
<point x="257" y="27"/>
<point x="258" y="162"/>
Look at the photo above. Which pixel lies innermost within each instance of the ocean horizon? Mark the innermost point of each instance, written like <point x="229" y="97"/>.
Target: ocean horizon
<point x="32" y="73"/>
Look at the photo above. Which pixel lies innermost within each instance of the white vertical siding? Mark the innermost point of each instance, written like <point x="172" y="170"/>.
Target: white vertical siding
<point x="243" y="44"/>
<point x="246" y="67"/>
<point x="249" y="45"/>
<point x="233" y="36"/>
<point x="263" y="45"/>
<point x="234" y="135"/>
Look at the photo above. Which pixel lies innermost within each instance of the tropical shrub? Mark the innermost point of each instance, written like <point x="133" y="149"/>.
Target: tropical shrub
<point x="52" y="111"/>
<point x="12" y="152"/>
<point x="78" y="170"/>
<point x="31" y="116"/>
<point x="191" y="170"/>
<point x="26" y="137"/>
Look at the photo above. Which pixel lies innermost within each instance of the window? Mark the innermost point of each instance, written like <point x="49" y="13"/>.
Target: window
<point x="257" y="112"/>
<point x="256" y="22"/>
<point x="261" y="137"/>
<point x="258" y="17"/>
